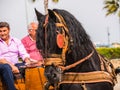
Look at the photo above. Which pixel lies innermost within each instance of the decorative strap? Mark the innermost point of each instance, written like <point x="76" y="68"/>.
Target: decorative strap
<point x="54" y="61"/>
<point x="88" y="77"/>
<point x="76" y="63"/>
<point x="65" y="33"/>
<point x="106" y="64"/>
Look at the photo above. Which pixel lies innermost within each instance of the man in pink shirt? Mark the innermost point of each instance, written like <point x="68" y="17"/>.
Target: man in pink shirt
<point x="10" y="50"/>
<point x="29" y="43"/>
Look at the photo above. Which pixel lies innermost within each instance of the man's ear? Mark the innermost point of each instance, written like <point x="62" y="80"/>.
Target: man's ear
<point x="52" y="15"/>
<point x="38" y="14"/>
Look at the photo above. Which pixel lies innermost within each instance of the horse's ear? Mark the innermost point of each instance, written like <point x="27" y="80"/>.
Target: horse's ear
<point x="52" y="15"/>
<point x="38" y="14"/>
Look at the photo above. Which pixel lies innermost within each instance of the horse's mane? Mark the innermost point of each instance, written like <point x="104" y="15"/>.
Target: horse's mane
<point x="79" y="46"/>
<point x="82" y="45"/>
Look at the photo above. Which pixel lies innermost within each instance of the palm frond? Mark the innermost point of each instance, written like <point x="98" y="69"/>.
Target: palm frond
<point x="55" y="1"/>
<point x="33" y="0"/>
<point x="119" y="13"/>
<point x="111" y="6"/>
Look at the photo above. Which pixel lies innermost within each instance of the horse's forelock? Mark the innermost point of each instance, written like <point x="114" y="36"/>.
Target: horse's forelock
<point x="81" y="41"/>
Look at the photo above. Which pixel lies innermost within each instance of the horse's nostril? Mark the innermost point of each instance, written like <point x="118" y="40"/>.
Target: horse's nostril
<point x="47" y="74"/>
<point x="54" y="75"/>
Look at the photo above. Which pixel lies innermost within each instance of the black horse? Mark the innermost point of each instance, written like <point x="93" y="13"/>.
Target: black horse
<point x="71" y="60"/>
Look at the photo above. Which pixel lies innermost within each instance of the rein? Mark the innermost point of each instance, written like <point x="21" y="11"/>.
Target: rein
<point x="58" y="62"/>
<point x="76" y="63"/>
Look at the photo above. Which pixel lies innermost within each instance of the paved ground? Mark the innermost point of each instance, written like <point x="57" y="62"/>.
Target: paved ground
<point x="117" y="86"/>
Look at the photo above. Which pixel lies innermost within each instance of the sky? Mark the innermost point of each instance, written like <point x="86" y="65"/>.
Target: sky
<point x="90" y="13"/>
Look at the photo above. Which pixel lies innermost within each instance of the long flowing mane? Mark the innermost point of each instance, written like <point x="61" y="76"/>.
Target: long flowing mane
<point x="79" y="42"/>
<point x="82" y="45"/>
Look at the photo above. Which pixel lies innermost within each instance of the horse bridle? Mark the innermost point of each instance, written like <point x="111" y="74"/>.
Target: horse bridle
<point x="59" y="60"/>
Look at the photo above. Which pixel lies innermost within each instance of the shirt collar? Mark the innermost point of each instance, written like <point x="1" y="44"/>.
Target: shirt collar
<point x="31" y="38"/>
<point x="11" y="38"/>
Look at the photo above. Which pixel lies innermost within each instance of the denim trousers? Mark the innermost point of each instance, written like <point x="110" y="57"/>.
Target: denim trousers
<point x="7" y="76"/>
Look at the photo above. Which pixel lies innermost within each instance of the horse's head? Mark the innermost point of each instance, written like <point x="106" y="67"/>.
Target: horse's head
<point x="65" y="45"/>
<point x="60" y="35"/>
<point x="54" y="39"/>
<point x="53" y="35"/>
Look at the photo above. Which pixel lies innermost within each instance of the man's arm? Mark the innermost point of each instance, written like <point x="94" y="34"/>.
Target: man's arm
<point x="13" y="67"/>
<point x="22" y="52"/>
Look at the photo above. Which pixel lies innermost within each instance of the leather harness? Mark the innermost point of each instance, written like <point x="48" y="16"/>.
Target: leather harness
<point x="81" y="78"/>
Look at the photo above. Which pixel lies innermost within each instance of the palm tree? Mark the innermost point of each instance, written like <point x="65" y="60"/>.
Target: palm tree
<point x="112" y="7"/>
<point x="46" y="4"/>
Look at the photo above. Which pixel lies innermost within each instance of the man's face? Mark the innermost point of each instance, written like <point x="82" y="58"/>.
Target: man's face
<point x="4" y="33"/>
<point x="32" y="30"/>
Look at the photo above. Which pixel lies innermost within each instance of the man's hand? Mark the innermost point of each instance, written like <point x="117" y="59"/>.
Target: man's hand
<point x="40" y="63"/>
<point x="15" y="69"/>
<point x="27" y="60"/>
<point x="3" y="61"/>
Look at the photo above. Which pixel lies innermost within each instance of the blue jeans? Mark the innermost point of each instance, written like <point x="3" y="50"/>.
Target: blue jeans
<point x="7" y="76"/>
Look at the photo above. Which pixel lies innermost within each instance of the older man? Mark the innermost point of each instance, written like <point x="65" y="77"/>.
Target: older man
<point x="29" y="42"/>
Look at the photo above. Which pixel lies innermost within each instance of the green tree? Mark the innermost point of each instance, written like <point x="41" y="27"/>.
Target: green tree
<point x="112" y="7"/>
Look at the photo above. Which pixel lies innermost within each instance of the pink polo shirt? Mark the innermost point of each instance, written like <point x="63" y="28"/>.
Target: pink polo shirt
<point x="30" y="46"/>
